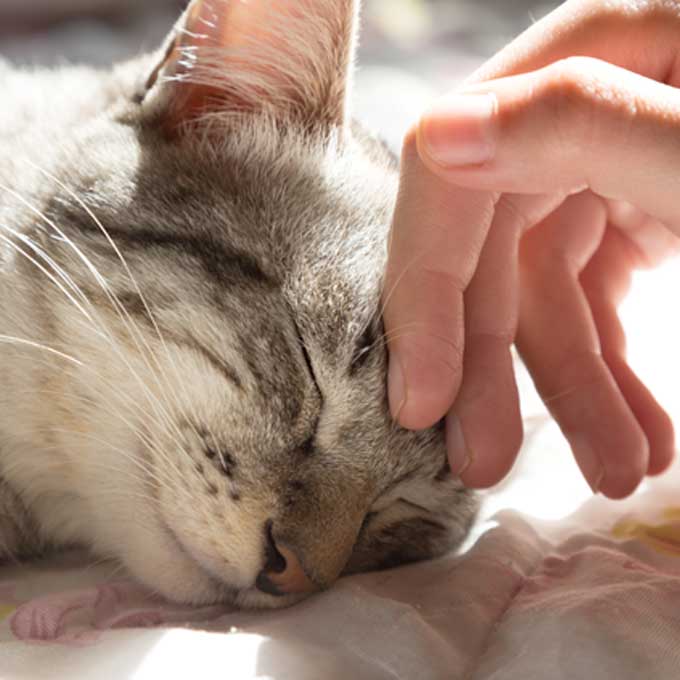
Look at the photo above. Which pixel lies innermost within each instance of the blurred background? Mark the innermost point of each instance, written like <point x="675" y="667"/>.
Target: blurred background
<point x="411" y="50"/>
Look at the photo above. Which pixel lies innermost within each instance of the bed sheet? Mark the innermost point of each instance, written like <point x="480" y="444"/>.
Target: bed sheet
<point x="593" y="596"/>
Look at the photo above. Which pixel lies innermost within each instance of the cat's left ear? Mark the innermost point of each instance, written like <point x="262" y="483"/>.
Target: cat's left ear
<point x="291" y="59"/>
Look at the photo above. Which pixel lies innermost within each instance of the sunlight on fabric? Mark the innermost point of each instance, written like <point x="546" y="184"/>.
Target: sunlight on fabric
<point x="195" y="654"/>
<point x="652" y="320"/>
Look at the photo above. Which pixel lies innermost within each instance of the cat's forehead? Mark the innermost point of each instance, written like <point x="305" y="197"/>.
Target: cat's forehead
<point x="310" y="214"/>
<point x="282" y="194"/>
<point x="296" y="227"/>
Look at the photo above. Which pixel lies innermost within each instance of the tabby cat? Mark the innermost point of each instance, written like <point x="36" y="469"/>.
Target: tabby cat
<point x="193" y="365"/>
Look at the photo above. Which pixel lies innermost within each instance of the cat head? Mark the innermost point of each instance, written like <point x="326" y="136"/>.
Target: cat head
<point x="241" y="233"/>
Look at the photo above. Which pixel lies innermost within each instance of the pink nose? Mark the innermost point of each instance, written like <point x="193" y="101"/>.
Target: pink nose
<point x="283" y="573"/>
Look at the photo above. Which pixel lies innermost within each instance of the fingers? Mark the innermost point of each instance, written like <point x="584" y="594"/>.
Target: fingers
<point x="638" y="36"/>
<point x="436" y="240"/>
<point x="605" y="280"/>
<point x="484" y="428"/>
<point x="559" y="342"/>
<point x="654" y="242"/>
<point x="579" y="123"/>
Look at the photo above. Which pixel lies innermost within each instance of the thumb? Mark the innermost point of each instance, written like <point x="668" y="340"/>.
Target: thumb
<point x="576" y="124"/>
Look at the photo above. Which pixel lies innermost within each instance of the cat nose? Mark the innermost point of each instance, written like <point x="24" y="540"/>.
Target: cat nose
<point x="282" y="573"/>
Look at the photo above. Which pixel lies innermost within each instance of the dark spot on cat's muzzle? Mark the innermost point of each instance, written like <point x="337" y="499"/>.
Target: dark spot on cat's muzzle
<point x="282" y="573"/>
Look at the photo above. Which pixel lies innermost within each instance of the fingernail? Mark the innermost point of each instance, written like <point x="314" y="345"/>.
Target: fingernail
<point x="396" y="387"/>
<point x="460" y="457"/>
<point x="589" y="462"/>
<point x="460" y="130"/>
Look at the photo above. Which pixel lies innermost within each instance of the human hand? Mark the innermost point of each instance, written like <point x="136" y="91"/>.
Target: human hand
<point x="557" y="148"/>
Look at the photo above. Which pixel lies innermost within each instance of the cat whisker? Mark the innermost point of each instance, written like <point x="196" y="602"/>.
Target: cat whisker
<point x="388" y="296"/>
<point x="98" y="278"/>
<point x="116" y="392"/>
<point x="385" y="338"/>
<point x="126" y="266"/>
<point x="146" y="470"/>
<point x="109" y="239"/>
<point x="50" y="263"/>
<point x="403" y="333"/>
<point x="10" y="468"/>
<point x="114" y="413"/>
<point x="39" y="346"/>
<point x="119" y="569"/>
<point x="93" y="270"/>
<point x="116" y="492"/>
<point x="138" y="433"/>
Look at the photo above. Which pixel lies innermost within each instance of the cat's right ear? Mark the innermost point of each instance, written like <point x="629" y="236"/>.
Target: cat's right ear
<point x="288" y="59"/>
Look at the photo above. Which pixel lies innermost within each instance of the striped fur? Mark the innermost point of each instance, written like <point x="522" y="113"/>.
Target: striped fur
<point x="190" y="324"/>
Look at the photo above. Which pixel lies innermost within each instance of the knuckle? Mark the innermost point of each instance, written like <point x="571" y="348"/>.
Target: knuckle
<point x="444" y="284"/>
<point x="447" y="355"/>
<point x="586" y="104"/>
<point x="568" y="93"/>
<point x="497" y="340"/>
<point x="575" y="373"/>
<point x="571" y="70"/>
<point x="438" y="351"/>
<point x="489" y="373"/>
<point x="511" y="208"/>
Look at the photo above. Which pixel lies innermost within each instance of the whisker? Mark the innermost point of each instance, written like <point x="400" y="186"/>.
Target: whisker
<point x="96" y="275"/>
<point x="387" y="298"/>
<point x="135" y="431"/>
<point x="36" y="345"/>
<point x="50" y="263"/>
<point x="125" y="264"/>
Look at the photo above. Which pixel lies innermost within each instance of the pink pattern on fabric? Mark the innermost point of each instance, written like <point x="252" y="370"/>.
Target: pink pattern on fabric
<point x="79" y="617"/>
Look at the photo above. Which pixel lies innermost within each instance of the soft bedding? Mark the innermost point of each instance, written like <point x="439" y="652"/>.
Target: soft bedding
<point x="593" y="596"/>
<point x="553" y="584"/>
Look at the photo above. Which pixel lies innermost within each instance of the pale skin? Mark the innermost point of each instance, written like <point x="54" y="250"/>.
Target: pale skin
<point x="528" y="198"/>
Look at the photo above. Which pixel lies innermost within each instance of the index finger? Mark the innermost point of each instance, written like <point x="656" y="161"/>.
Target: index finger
<point x="436" y="240"/>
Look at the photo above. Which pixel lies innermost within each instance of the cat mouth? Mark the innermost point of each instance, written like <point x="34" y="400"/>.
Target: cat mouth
<point x="226" y="591"/>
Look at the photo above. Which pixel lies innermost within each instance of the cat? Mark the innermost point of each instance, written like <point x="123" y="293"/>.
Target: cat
<point x="193" y="362"/>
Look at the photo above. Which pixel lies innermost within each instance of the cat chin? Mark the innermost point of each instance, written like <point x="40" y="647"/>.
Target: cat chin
<point x="179" y="580"/>
<point x="189" y="584"/>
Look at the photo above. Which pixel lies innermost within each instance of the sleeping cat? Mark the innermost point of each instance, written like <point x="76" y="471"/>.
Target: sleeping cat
<point x="193" y="364"/>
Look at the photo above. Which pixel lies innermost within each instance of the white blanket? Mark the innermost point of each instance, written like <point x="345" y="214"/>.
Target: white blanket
<point x="596" y="596"/>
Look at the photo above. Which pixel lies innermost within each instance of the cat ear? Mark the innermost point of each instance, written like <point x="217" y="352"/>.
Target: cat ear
<point x="291" y="59"/>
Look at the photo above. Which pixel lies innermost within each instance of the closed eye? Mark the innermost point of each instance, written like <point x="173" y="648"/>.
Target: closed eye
<point x="367" y="520"/>
<point x="362" y="349"/>
<point x="415" y="506"/>
<point x="308" y="359"/>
